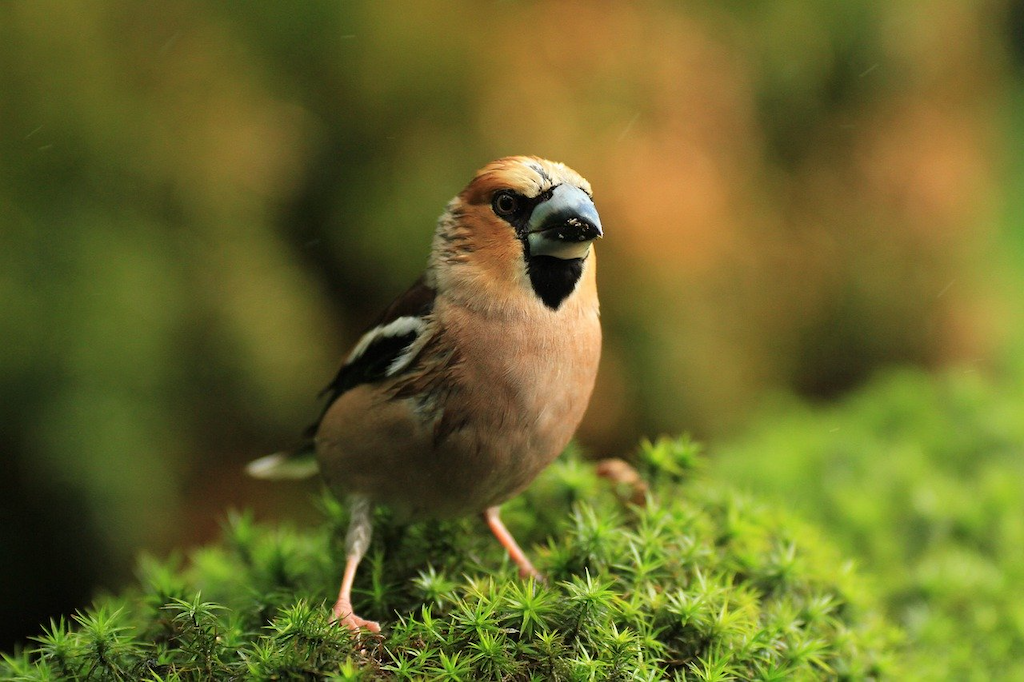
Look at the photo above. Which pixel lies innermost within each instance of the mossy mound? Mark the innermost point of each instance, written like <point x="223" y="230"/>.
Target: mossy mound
<point x="697" y="583"/>
<point x="921" y="478"/>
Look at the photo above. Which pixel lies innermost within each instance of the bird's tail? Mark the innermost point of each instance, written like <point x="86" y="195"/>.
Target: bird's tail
<point x="285" y="465"/>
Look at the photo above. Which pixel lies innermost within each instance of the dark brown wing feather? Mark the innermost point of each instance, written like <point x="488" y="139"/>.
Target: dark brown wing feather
<point x="372" y="364"/>
<point x="417" y="301"/>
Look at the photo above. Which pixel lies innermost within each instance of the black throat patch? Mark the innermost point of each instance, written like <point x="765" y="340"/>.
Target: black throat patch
<point x="553" y="279"/>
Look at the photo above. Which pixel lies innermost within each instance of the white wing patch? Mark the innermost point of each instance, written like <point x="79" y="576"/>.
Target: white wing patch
<point x="403" y="360"/>
<point x="400" y="326"/>
<point x="282" y="465"/>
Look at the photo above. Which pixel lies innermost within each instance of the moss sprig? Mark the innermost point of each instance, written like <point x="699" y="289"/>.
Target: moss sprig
<point x="696" y="582"/>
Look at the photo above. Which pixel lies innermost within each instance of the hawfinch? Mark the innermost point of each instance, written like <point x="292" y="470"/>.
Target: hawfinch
<point x="475" y="379"/>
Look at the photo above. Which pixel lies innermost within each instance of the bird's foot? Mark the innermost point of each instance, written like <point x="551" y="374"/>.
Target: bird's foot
<point x="526" y="570"/>
<point x="344" y="616"/>
<point x="630" y="486"/>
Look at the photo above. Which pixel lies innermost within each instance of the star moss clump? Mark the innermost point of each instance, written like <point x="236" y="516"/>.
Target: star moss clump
<point x="922" y="479"/>
<point x="693" y="582"/>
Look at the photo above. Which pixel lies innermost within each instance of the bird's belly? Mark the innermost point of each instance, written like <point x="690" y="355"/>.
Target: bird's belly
<point x="499" y="423"/>
<point x="500" y="441"/>
<point x="518" y="426"/>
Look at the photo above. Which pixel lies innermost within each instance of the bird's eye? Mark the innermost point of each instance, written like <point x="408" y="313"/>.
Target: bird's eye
<point x="505" y="204"/>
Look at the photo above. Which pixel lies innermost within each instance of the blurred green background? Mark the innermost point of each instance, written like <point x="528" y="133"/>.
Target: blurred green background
<point x="203" y="203"/>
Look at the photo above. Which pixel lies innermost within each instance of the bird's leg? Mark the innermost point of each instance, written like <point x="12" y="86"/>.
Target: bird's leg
<point x="360" y="529"/>
<point x="526" y="569"/>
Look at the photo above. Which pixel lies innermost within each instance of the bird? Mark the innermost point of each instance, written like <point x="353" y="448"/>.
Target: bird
<point x="476" y="378"/>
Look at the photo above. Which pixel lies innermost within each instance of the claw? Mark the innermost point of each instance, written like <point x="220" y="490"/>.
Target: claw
<point x="343" y="615"/>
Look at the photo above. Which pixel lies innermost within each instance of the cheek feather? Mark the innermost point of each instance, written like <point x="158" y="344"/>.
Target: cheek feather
<point x="492" y="245"/>
<point x="485" y="259"/>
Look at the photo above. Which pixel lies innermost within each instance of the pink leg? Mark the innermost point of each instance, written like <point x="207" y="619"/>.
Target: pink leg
<point x="526" y="569"/>
<point x="356" y="542"/>
<point x="343" y="607"/>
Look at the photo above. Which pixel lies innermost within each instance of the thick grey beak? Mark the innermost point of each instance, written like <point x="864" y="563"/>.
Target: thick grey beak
<point x="564" y="225"/>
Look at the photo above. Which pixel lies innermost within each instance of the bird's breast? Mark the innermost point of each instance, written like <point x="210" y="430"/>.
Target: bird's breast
<point x="522" y="389"/>
<point x="483" y="426"/>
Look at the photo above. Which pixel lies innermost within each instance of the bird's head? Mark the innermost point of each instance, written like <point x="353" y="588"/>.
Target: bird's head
<point x="523" y="225"/>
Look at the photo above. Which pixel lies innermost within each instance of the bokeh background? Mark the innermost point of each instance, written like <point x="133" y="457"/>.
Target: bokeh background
<point x="202" y="204"/>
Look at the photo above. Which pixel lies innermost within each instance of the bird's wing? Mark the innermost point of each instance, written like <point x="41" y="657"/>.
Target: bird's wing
<point x="385" y="350"/>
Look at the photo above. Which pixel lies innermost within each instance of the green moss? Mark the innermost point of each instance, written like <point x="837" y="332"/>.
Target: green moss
<point x="699" y="583"/>
<point x="921" y="479"/>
